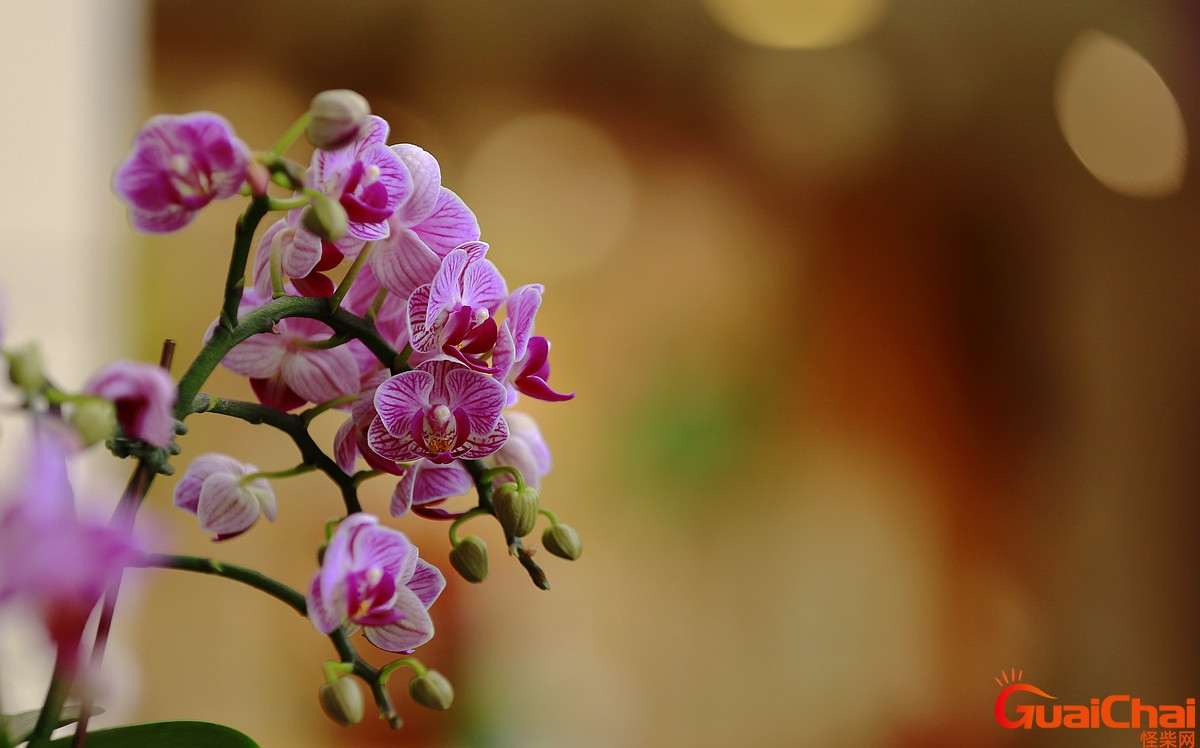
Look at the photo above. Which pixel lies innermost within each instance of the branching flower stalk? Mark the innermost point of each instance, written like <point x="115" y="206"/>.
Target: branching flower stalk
<point x="420" y="344"/>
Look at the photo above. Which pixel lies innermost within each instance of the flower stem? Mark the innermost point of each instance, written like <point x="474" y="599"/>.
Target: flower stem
<point x="483" y="487"/>
<point x="300" y="469"/>
<point x="56" y="696"/>
<point x="242" y="238"/>
<point x="294" y="426"/>
<point x="291" y="134"/>
<point x="317" y="410"/>
<point x="477" y="511"/>
<point x="263" y="319"/>
<point x="255" y="579"/>
<point x="501" y="470"/>
<point x="360" y="261"/>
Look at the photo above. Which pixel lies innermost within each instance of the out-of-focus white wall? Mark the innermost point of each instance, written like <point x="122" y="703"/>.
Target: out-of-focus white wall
<point x="71" y="94"/>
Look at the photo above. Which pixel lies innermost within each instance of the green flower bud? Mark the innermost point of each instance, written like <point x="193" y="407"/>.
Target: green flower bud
<point x="95" y="419"/>
<point x="326" y="218"/>
<point x="517" y="510"/>
<point x="431" y="690"/>
<point x="342" y="700"/>
<point x="25" y="367"/>
<point x="470" y="559"/>
<point x="337" y="117"/>
<point x="562" y="541"/>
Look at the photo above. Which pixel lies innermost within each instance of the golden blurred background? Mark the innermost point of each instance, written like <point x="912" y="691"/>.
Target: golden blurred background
<point x="883" y="321"/>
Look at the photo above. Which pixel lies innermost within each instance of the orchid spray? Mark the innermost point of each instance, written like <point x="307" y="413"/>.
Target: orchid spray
<point x="419" y="342"/>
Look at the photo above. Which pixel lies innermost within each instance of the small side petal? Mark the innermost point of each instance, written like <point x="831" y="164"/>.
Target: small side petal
<point x="427" y="582"/>
<point x="324" y="614"/>
<point x="321" y="375"/>
<point x="411" y="631"/>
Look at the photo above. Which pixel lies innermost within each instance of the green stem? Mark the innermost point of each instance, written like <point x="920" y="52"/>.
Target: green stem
<point x="276" y="265"/>
<point x="383" y="700"/>
<point x="263" y="319"/>
<point x="289" y="203"/>
<point x="242" y="237"/>
<point x="300" y="469"/>
<point x="317" y="410"/>
<point x="363" y="475"/>
<point x="291" y="597"/>
<point x="255" y="579"/>
<point x="477" y="511"/>
<point x="56" y="696"/>
<point x="291" y="134"/>
<point x="294" y="426"/>
<point x="333" y="341"/>
<point x="483" y="487"/>
<point x="377" y="303"/>
<point x="410" y="662"/>
<point x="490" y="475"/>
<point x="549" y="515"/>
<point x="360" y="261"/>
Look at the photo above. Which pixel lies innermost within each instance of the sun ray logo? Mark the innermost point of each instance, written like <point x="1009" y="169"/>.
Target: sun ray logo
<point x="1014" y="685"/>
<point x="1119" y="710"/>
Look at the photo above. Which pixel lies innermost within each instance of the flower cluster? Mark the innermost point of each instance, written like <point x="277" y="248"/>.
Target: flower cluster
<point x="419" y="343"/>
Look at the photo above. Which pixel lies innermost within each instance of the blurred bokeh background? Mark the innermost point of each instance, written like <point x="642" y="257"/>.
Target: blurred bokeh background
<point x="882" y="317"/>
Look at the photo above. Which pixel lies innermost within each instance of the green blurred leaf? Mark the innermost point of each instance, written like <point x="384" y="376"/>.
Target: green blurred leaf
<point x="19" y="726"/>
<point x="166" y="735"/>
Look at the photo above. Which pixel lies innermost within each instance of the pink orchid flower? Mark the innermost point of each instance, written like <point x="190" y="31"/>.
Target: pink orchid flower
<point x="180" y="164"/>
<point x="521" y="359"/>
<point x="455" y="313"/>
<point x="144" y="396"/>
<point x="51" y="560"/>
<point x="215" y="489"/>
<point x="288" y="368"/>
<point x="441" y="411"/>
<point x="372" y="576"/>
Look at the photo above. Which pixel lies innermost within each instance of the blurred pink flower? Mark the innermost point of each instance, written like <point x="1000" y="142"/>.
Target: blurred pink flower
<point x="51" y="560"/>
<point x="179" y="164"/>
<point x="144" y="396"/>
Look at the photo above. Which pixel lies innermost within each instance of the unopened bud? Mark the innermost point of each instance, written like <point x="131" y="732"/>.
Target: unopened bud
<point x="25" y="367"/>
<point x="337" y="117"/>
<point x="95" y="419"/>
<point x="562" y="541"/>
<point x="342" y="700"/>
<point x="326" y="218"/>
<point x="431" y="690"/>
<point x="516" y="509"/>
<point x="470" y="559"/>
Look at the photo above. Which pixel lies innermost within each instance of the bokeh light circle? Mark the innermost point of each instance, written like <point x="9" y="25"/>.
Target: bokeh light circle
<point x="796" y="24"/>
<point x="553" y="193"/>
<point x="1119" y="117"/>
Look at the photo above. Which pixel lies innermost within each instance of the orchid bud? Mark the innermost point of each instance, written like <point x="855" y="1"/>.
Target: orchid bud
<point x="342" y="700"/>
<point x="326" y="218"/>
<point x="25" y="367"/>
<point x="562" y="541"/>
<point x="517" y="509"/>
<point x="95" y="420"/>
<point x="470" y="559"/>
<point x="431" y="690"/>
<point x="337" y="117"/>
